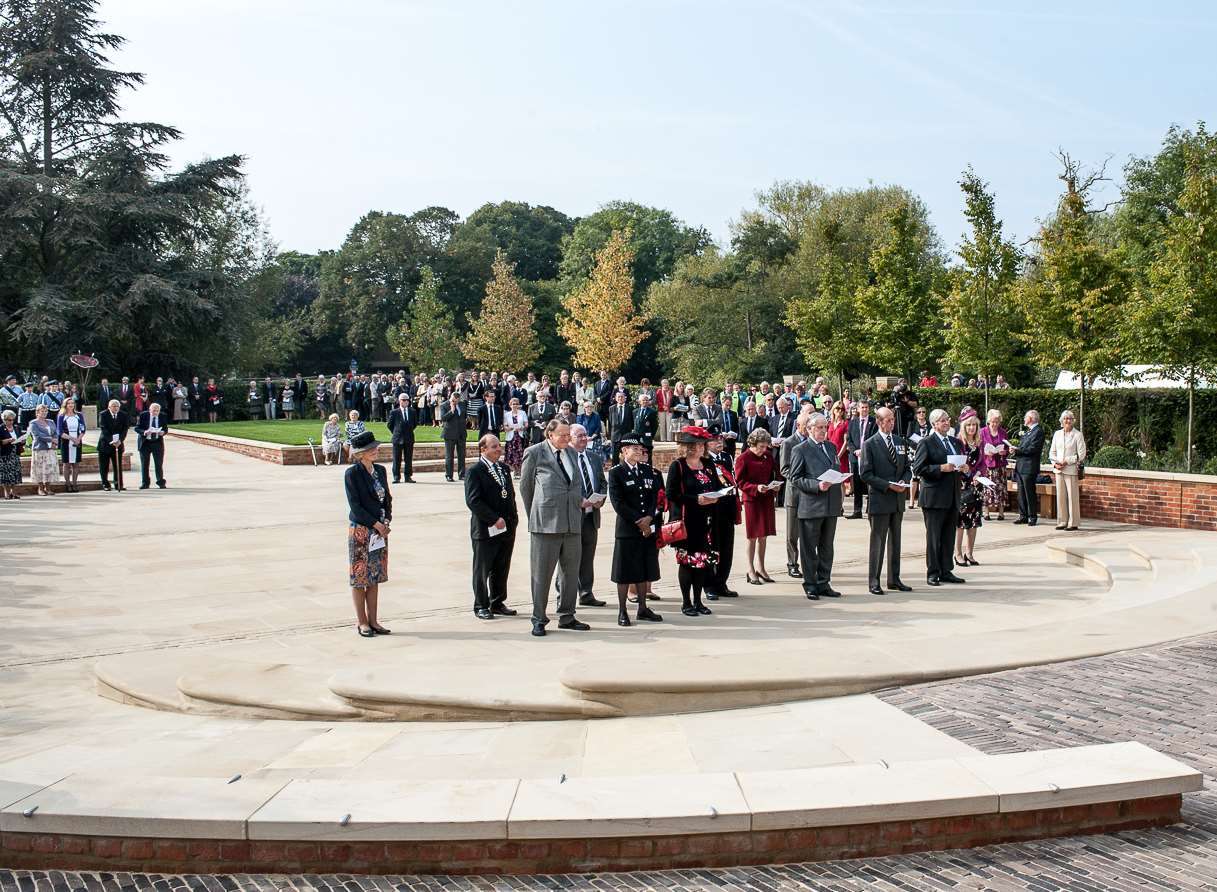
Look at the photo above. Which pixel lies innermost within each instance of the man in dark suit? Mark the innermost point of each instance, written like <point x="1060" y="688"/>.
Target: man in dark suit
<point x="452" y="419"/>
<point x="707" y="412"/>
<point x="861" y="429"/>
<point x="603" y="391"/>
<point x="112" y="426"/>
<point x="402" y="422"/>
<point x="819" y="508"/>
<point x="125" y="396"/>
<point x="150" y="430"/>
<point x="492" y="504"/>
<point x="790" y="496"/>
<point x="490" y="420"/>
<point x="730" y="425"/>
<point x="1027" y="455"/>
<point x="565" y="391"/>
<point x="196" y="395"/>
<point x="750" y="422"/>
<point x="540" y="414"/>
<point x="646" y="424"/>
<point x="885" y="467"/>
<point x="620" y="422"/>
<point x="781" y="424"/>
<point x="270" y="397"/>
<point x="939" y="496"/>
<point x="105" y="393"/>
<point x="591" y="477"/>
<point x="301" y="393"/>
<point x="348" y="393"/>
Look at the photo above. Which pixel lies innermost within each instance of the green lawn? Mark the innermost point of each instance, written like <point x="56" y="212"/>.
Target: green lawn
<point x="296" y="433"/>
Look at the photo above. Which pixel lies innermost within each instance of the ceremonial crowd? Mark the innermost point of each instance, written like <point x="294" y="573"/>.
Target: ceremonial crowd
<point x="740" y="455"/>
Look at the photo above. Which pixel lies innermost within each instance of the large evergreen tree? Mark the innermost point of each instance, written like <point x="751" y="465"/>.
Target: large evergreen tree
<point x="101" y="248"/>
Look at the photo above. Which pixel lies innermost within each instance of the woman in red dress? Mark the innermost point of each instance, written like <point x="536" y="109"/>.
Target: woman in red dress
<point x="838" y="430"/>
<point x="755" y="471"/>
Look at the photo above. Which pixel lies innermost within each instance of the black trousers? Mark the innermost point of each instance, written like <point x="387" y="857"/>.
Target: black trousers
<point x="108" y="457"/>
<point x="940" y="526"/>
<point x="454" y="449"/>
<point x="403" y="457"/>
<point x="151" y="452"/>
<point x="859" y="484"/>
<point x="816" y="536"/>
<point x="587" y="559"/>
<point x="491" y="566"/>
<point x="885" y="537"/>
<point x="1028" y="499"/>
<point x="724" y="540"/>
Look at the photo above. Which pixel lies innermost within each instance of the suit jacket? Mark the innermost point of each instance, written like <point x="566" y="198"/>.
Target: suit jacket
<point x="807" y="462"/>
<point x="646" y="425"/>
<point x="603" y="391"/>
<point x="194" y="393"/>
<point x="364" y="507"/>
<point x="938" y="490"/>
<point x="595" y="469"/>
<point x="788" y="495"/>
<point x="782" y="425"/>
<point x="484" y="425"/>
<point x="402" y="423"/>
<point x="270" y="391"/>
<point x="620" y="422"/>
<point x="730" y="422"/>
<point x="540" y="415"/>
<point x="854" y="438"/>
<point x="1028" y="451"/>
<point x="484" y="498"/>
<point x="634" y="495"/>
<point x="453" y="422"/>
<point x="748" y="424"/>
<point x="104" y="395"/>
<point x="551" y="500"/>
<point x="878" y="470"/>
<point x="144" y="422"/>
<point x="109" y="425"/>
<point x="566" y="392"/>
<point x="125" y="395"/>
<point x="712" y="415"/>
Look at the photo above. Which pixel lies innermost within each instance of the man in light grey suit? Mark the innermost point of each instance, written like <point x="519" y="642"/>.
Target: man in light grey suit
<point x="553" y="497"/>
<point x="591" y="481"/>
<point x="790" y="496"/>
<point x="819" y="507"/>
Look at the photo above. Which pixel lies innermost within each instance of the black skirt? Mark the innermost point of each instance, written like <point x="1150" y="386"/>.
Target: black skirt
<point x="635" y="560"/>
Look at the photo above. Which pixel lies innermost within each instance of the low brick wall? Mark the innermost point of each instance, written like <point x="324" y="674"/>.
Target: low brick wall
<point x="88" y="463"/>
<point x="1184" y="501"/>
<point x="178" y="856"/>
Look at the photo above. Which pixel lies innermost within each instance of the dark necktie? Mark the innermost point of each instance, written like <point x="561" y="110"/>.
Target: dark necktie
<point x="587" y="478"/>
<point x="947" y="445"/>
<point x="561" y="467"/>
<point x="891" y="449"/>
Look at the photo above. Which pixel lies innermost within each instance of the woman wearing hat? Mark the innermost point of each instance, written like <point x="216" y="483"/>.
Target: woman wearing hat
<point x="371" y="509"/>
<point x="634" y="493"/>
<point x="690" y="480"/>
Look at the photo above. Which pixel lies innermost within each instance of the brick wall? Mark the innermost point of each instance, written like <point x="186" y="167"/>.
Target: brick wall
<point x="1187" y="501"/>
<point x="49" y="851"/>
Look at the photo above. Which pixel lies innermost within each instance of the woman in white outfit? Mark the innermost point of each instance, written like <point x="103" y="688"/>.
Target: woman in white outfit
<point x="1067" y="452"/>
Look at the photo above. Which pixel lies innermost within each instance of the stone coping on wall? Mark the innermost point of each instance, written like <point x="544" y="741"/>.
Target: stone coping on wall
<point x="585" y="823"/>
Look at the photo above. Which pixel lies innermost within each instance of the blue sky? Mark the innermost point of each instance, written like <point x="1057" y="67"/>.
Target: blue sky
<point x="345" y="107"/>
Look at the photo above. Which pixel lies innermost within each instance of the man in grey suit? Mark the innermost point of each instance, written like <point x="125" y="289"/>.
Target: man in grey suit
<point x="819" y="507"/>
<point x="886" y="464"/>
<point x="591" y="481"/>
<point x="553" y="497"/>
<point x="791" y="496"/>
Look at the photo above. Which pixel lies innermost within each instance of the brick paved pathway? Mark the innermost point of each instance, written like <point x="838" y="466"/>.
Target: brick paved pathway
<point x="1165" y="697"/>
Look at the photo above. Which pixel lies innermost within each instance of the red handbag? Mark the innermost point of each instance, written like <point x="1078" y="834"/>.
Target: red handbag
<point x="672" y="532"/>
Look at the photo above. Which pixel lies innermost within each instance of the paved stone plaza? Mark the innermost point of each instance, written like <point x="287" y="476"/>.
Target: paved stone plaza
<point x="241" y="565"/>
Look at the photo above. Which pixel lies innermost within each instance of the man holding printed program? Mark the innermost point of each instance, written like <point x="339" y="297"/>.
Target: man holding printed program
<point x="939" y="461"/>
<point x="886" y="469"/>
<point x="813" y="471"/>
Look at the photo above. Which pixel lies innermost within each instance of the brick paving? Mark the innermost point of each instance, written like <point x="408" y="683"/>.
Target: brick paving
<point x="1164" y="697"/>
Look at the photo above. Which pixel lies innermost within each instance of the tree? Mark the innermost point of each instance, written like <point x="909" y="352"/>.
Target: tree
<point x="101" y="249"/>
<point x="824" y="317"/>
<point x="502" y="336"/>
<point x="900" y="311"/>
<point x="980" y="312"/>
<point x="427" y="339"/>
<point x="1176" y="316"/>
<point x="1075" y="297"/>
<point x="601" y="325"/>
<point x="367" y="284"/>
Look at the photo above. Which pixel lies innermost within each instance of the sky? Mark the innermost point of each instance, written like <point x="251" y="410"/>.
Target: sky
<point x="347" y="106"/>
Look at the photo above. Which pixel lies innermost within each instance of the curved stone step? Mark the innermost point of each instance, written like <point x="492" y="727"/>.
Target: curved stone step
<point x="269" y="690"/>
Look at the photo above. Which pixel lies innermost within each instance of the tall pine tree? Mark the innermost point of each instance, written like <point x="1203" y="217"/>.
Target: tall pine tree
<point x="426" y="339"/>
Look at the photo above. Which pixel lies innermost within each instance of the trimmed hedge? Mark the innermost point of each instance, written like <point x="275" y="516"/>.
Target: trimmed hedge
<point x="1114" y="457"/>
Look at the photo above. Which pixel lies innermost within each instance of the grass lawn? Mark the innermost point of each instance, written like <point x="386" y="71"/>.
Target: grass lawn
<point x="296" y="433"/>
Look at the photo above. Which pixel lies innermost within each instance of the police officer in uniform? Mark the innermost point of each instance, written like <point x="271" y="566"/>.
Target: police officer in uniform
<point x="634" y="492"/>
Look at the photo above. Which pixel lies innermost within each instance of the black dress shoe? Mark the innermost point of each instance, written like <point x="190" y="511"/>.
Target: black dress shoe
<point x="623" y="619"/>
<point x="812" y="596"/>
<point x="503" y="611"/>
<point x="951" y="577"/>
<point x="143" y="486"/>
<point x="711" y="596"/>
<point x="483" y="613"/>
<point x="875" y="590"/>
<point x="794" y="571"/>
<point x="397" y="480"/>
<point x="649" y="615"/>
<point x="573" y="624"/>
<point x="409" y="479"/>
<point x="106" y="487"/>
<point x="538" y="629"/>
<point x="590" y="601"/>
<point x="689" y="611"/>
<point x="1060" y="526"/>
<point x="900" y="586"/>
<point x="857" y="515"/>
<point x="1020" y="520"/>
<point x="703" y="610"/>
<point x="1071" y="529"/>
<point x="446" y="477"/>
<point x="381" y="630"/>
<point x="728" y="593"/>
<point x="933" y="580"/>
<point x="829" y="593"/>
<point x="161" y="485"/>
<point x="1032" y="522"/>
<point x="365" y="633"/>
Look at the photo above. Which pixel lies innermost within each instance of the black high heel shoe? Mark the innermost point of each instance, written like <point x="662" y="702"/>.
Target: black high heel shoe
<point x="365" y="633"/>
<point x="689" y="611"/>
<point x="381" y="630"/>
<point x="703" y="610"/>
<point x="766" y="577"/>
<point x="754" y="580"/>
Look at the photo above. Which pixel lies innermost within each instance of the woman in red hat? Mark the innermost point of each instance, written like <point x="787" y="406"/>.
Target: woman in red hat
<point x="690" y="481"/>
